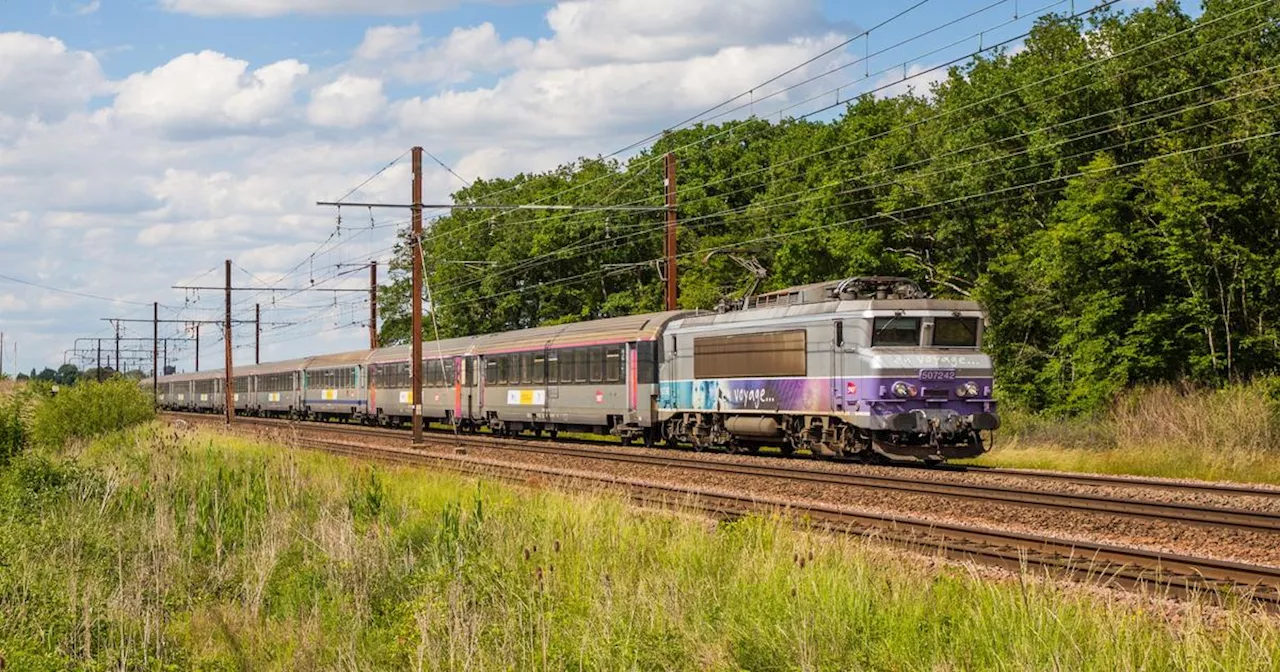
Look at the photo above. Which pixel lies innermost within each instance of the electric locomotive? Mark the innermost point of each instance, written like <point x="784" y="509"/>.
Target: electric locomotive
<point x="867" y="367"/>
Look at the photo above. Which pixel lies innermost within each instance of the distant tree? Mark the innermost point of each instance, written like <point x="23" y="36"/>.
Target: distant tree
<point x="22" y="377"/>
<point x="67" y="374"/>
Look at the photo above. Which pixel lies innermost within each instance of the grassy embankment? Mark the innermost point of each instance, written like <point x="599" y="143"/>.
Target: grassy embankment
<point x="1180" y="432"/>
<point x="151" y="550"/>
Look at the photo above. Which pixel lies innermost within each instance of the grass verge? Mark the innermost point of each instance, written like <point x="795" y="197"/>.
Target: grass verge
<point x="153" y="550"/>
<point x="1174" y="431"/>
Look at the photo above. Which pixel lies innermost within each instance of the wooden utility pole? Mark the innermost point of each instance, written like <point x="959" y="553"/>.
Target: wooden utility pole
<point x="99" y="371"/>
<point x="155" y="351"/>
<point x="117" y="347"/>
<point x="257" y="333"/>
<point x="373" y="305"/>
<point x="228" y="395"/>
<point x="197" y="347"/>
<point x="670" y="183"/>
<point x="416" y="299"/>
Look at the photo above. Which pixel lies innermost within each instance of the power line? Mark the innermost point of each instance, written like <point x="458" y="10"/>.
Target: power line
<point x="883" y="215"/>
<point x="828" y="52"/>
<point x="653" y="161"/>
<point x="71" y="292"/>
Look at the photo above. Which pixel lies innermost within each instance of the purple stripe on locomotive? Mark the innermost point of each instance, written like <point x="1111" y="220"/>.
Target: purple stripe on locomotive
<point x="820" y="395"/>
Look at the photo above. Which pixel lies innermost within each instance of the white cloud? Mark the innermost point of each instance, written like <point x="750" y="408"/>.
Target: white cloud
<point x="265" y="8"/>
<point x="381" y="42"/>
<point x="462" y="54"/>
<point x="11" y="303"/>
<point x="87" y="8"/>
<point x="209" y="91"/>
<point x="209" y="156"/>
<point x="603" y="31"/>
<point x="40" y="76"/>
<point x="601" y="100"/>
<point x="349" y="102"/>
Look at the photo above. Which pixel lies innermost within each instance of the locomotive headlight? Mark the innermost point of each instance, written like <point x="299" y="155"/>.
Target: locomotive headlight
<point x="903" y="390"/>
<point x="969" y="389"/>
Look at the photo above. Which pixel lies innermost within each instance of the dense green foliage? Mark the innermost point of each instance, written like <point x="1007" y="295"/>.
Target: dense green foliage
<point x="157" y="551"/>
<point x="90" y="409"/>
<point x="1105" y="192"/>
<point x="13" y="433"/>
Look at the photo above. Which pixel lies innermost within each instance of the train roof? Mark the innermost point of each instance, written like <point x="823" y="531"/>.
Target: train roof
<point x="645" y="327"/>
<point x="448" y="347"/>
<point x="800" y="310"/>
<point x="285" y="366"/>
<point x="350" y="358"/>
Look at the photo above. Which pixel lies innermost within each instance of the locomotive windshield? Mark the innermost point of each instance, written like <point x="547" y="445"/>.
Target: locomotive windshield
<point x="896" y="330"/>
<point x="955" y="331"/>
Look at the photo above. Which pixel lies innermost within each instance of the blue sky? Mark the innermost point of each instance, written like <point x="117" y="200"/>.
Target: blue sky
<point x="144" y="141"/>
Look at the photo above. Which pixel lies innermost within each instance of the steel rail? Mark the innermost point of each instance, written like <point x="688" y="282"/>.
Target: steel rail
<point x="1175" y="512"/>
<point x="1127" y="481"/>
<point x="1178" y="575"/>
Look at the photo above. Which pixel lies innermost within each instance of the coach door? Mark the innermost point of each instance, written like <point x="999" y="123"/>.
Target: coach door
<point x="841" y="392"/>
<point x="459" y="378"/>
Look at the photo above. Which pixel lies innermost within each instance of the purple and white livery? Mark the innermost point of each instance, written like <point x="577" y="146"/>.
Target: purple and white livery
<point x="866" y="367"/>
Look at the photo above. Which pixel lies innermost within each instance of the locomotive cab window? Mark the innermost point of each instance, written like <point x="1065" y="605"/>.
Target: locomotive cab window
<point x="895" y="330"/>
<point x="955" y="332"/>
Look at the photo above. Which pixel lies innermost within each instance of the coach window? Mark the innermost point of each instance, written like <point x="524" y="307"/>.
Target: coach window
<point x="597" y="365"/>
<point x="490" y="370"/>
<point x="613" y="363"/>
<point x="539" y="367"/>
<point x="553" y="367"/>
<point x="895" y="330"/>
<point x="581" y="365"/>
<point x="526" y="368"/>
<point x="568" y="364"/>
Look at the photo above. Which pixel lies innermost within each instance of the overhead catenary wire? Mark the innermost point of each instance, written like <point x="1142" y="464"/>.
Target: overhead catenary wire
<point x="864" y="34"/>
<point x="652" y="162"/>
<point x="900" y="212"/>
<point x="987" y="119"/>
<point x="702" y="140"/>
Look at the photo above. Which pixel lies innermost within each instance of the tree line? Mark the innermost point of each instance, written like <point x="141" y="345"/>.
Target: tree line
<point x="1109" y="191"/>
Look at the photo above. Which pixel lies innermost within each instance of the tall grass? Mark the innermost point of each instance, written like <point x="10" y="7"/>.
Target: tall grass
<point x="1230" y="433"/>
<point x="157" y="551"/>
<point x="89" y="409"/>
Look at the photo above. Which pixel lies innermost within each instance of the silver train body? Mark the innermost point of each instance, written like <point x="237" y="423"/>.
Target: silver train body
<point x="866" y="367"/>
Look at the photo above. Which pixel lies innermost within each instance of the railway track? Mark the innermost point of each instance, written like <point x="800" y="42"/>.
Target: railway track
<point x="1210" y="516"/>
<point x="1134" y="482"/>
<point x="1181" y="575"/>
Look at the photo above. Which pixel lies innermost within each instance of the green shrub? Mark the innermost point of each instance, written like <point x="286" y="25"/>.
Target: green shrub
<point x="89" y="409"/>
<point x="13" y="435"/>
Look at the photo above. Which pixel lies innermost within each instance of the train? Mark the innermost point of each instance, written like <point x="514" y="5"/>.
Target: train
<point x="868" y="367"/>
